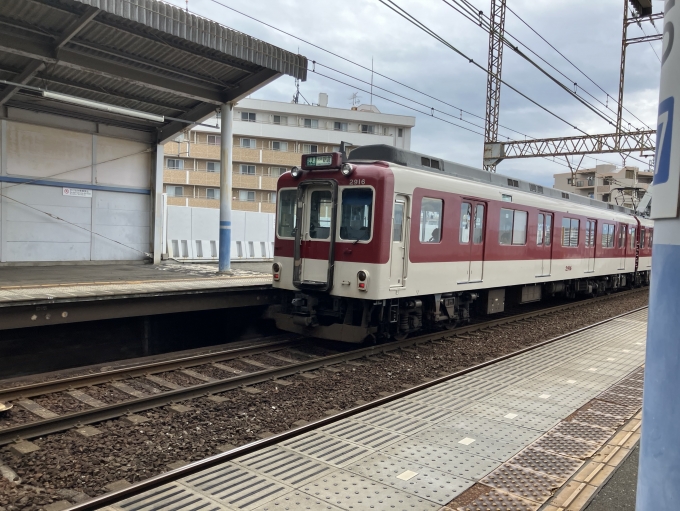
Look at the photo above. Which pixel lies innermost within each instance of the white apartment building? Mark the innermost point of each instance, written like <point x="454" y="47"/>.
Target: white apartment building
<point x="269" y="139"/>
<point x="607" y="183"/>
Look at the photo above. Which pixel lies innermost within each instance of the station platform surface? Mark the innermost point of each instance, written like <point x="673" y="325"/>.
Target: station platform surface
<point x="540" y="430"/>
<point x="89" y="285"/>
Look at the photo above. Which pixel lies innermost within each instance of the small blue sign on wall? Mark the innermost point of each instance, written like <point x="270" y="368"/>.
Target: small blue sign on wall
<point x="664" y="136"/>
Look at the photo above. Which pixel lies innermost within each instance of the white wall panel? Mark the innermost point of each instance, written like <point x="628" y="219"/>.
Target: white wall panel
<point x="124" y="218"/>
<point x="39" y="151"/>
<point x="205" y="223"/>
<point x="123" y="163"/>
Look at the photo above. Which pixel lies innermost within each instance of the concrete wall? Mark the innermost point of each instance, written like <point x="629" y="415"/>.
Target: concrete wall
<point x="193" y="234"/>
<point x="41" y="221"/>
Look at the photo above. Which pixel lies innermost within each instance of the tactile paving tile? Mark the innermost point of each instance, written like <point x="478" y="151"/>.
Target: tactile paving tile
<point x="452" y="461"/>
<point x="362" y="434"/>
<point x="620" y="399"/>
<point x="525" y="483"/>
<point x="500" y="501"/>
<point x="286" y="466"/>
<point x="297" y="501"/>
<point x="235" y="486"/>
<point x="625" y="412"/>
<point x="171" y="496"/>
<point x="350" y="491"/>
<point x="326" y="448"/>
<point x="565" y="445"/>
<point x="587" y="432"/>
<point x="560" y="467"/>
<point x="598" y="419"/>
<point x="410" y="477"/>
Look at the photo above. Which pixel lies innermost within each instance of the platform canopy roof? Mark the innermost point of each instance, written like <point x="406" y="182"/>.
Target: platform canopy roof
<point x="144" y="55"/>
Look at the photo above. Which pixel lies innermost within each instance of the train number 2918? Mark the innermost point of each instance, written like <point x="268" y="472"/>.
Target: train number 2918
<point x="357" y="181"/>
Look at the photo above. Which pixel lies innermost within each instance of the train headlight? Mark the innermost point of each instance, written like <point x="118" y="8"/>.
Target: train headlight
<point x="362" y="280"/>
<point x="295" y="172"/>
<point x="346" y="169"/>
<point x="276" y="271"/>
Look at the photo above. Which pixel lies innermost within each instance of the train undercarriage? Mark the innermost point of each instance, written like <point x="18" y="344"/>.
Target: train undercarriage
<point x="355" y="320"/>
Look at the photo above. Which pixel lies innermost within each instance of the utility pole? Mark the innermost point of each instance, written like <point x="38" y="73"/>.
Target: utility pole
<point x="493" y="83"/>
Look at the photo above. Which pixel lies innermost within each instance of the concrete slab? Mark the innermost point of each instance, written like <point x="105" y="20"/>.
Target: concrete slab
<point x="23" y="447"/>
<point x="88" y="431"/>
<point x="134" y="419"/>
<point x="117" y="485"/>
<point x="179" y="408"/>
<point x="58" y="506"/>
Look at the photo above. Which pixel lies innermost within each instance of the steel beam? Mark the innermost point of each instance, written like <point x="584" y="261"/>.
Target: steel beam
<point x="493" y="82"/>
<point x="644" y="39"/>
<point x="622" y="68"/>
<point x="76" y="26"/>
<point x="24" y="77"/>
<point x="118" y="71"/>
<point x="569" y="146"/>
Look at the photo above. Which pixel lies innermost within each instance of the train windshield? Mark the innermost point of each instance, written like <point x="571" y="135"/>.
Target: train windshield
<point x="357" y="214"/>
<point x="286" y="216"/>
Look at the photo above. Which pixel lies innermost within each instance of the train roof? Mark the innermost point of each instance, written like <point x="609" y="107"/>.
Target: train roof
<point x="383" y="152"/>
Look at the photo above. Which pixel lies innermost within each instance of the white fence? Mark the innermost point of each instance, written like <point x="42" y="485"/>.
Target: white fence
<point x="192" y="234"/>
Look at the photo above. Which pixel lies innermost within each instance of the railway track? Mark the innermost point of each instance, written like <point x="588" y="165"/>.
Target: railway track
<point x="145" y="389"/>
<point x="237" y="452"/>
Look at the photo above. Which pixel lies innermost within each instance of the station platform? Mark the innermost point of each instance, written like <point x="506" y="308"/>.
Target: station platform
<point x="540" y="430"/>
<point x="45" y="295"/>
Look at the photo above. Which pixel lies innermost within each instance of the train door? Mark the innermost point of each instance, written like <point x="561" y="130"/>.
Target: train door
<point x="591" y="229"/>
<point x="471" y="239"/>
<point x="544" y="243"/>
<point x="621" y="246"/>
<point x="399" y="233"/>
<point x="315" y="239"/>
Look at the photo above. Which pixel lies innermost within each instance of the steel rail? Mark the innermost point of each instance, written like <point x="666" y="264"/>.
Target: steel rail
<point x="85" y="380"/>
<point x="197" y="466"/>
<point x="49" y="426"/>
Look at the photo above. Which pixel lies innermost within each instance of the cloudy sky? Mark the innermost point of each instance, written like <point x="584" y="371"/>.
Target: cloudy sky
<point x="587" y="32"/>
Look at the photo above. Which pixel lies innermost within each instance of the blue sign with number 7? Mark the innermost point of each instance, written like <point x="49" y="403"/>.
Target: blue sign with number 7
<point x="664" y="137"/>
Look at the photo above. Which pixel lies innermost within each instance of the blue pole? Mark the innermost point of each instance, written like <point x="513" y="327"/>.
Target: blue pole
<point x="659" y="469"/>
<point x="226" y="125"/>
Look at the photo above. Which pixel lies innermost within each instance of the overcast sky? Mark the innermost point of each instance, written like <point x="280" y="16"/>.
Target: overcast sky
<point x="587" y="32"/>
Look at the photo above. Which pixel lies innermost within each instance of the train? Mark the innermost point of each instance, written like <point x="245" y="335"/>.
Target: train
<point x="387" y="242"/>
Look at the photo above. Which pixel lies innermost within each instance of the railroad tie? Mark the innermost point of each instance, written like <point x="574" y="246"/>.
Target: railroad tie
<point x="282" y="358"/>
<point x="86" y="398"/>
<point x="124" y="387"/>
<point x="163" y="382"/>
<point x="255" y="363"/>
<point x="196" y="375"/>
<point x="37" y="409"/>
<point x="227" y="368"/>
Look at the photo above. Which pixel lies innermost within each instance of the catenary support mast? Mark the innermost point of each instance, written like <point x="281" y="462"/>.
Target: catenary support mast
<point x="493" y="82"/>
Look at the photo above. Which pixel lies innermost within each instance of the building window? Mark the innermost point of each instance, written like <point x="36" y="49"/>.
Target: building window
<point x="340" y="126"/>
<point x="512" y="227"/>
<point x="367" y="128"/>
<point x="212" y="166"/>
<point x="311" y="123"/>
<point x="248" y="116"/>
<point x="400" y="132"/>
<point x="570" y="227"/>
<point x="212" y="193"/>
<point x="280" y="119"/>
<point x="277" y="171"/>
<point x="272" y="197"/>
<point x="630" y="174"/>
<point x="280" y="146"/>
<point x="175" y="191"/>
<point x="608" y="235"/>
<point x="175" y="164"/>
<point x="431" y="220"/>
<point x="607" y="180"/>
<point x="310" y="148"/>
<point x="248" y="143"/>
<point x="248" y="169"/>
<point x="246" y="196"/>
<point x="214" y="139"/>
<point x="570" y="181"/>
<point x="606" y="197"/>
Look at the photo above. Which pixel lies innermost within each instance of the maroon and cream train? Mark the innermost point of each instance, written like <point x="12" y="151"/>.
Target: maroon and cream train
<point x="391" y="242"/>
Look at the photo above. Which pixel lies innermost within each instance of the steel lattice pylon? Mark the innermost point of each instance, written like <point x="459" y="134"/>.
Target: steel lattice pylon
<point x="493" y="83"/>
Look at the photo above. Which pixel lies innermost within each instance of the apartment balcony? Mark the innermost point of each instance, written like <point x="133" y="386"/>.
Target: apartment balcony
<point x="176" y="177"/>
<point x="604" y="188"/>
<point x="585" y="183"/>
<point x="242" y="205"/>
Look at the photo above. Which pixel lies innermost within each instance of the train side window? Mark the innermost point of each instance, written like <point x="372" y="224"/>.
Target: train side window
<point x="465" y="213"/>
<point x="651" y="235"/>
<point x="570" y="227"/>
<point x="287" y="214"/>
<point x="590" y="233"/>
<point x="478" y="231"/>
<point x="512" y="229"/>
<point x="642" y="237"/>
<point x="356" y="214"/>
<point x="548" y="230"/>
<point x="539" y="229"/>
<point x="622" y="236"/>
<point x="431" y="220"/>
<point x="607" y="235"/>
<point x="631" y="236"/>
<point x="519" y="228"/>
<point x="397" y="229"/>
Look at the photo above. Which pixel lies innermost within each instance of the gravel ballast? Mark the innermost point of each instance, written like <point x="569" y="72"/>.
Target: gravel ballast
<point x="70" y="461"/>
